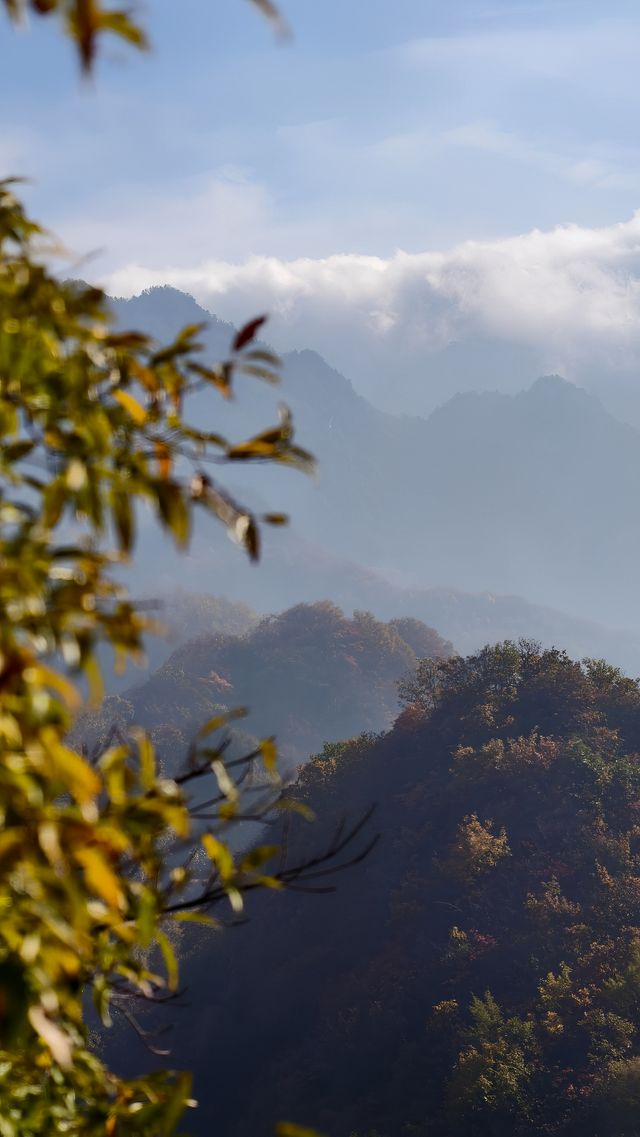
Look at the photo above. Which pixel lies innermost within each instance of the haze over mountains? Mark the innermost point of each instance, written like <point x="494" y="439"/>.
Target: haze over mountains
<point x="532" y="495"/>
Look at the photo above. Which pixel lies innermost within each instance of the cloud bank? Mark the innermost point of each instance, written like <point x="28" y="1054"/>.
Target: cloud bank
<point x="567" y="299"/>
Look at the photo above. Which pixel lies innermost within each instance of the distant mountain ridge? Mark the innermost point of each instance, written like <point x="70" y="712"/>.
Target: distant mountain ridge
<point x="534" y="494"/>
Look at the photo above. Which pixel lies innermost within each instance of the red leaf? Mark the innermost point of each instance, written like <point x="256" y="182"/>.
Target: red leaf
<point x="247" y="334"/>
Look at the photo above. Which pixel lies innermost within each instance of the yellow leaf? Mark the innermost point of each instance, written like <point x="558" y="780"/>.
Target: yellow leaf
<point x="177" y="816"/>
<point x="196" y="918"/>
<point x="53" y="1036"/>
<point x="114" y="772"/>
<point x="10" y="730"/>
<point x="291" y="805"/>
<point x="290" y="1129"/>
<point x="235" y="899"/>
<point x="221" y="720"/>
<point x="130" y="404"/>
<point x="100" y="877"/>
<point x="81" y="781"/>
<point x="12" y="841"/>
<point x="147" y="757"/>
<point x="227" y="786"/>
<point x="144" y="375"/>
<point x="163" y="458"/>
<point x="269" y="753"/>
<point x="93" y="672"/>
<point x="76" y="476"/>
<point x="49" y="839"/>
<point x="218" y="852"/>
<point x="49" y="678"/>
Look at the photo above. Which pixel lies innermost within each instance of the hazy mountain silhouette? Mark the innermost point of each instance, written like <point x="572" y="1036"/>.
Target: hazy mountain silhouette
<point x="534" y="494"/>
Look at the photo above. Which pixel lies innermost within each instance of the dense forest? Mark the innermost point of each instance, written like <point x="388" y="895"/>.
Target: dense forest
<point x="479" y="973"/>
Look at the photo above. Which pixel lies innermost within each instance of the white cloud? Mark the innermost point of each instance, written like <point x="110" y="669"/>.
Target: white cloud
<point x="571" y="295"/>
<point x="571" y="283"/>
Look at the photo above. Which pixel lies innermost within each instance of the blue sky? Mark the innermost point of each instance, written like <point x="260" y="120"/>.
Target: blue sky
<point x="410" y="124"/>
<point x="399" y="176"/>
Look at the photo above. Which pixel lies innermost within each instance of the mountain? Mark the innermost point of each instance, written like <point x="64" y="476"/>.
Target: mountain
<point x="308" y="676"/>
<point x="478" y="973"/>
<point x="533" y="494"/>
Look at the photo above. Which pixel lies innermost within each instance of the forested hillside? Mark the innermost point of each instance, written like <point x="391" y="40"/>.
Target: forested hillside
<point x="478" y="974"/>
<point x="178" y="618"/>
<point x="308" y="676"/>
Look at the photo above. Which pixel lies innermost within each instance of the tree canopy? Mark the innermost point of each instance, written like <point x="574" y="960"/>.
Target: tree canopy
<point x="308" y="676"/>
<point x="478" y="974"/>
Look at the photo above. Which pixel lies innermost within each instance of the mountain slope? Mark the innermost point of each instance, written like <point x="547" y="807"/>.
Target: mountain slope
<point x="478" y="973"/>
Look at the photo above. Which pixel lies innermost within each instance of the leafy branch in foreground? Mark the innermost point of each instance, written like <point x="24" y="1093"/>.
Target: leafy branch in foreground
<point x="87" y="22"/>
<point x="102" y="855"/>
<point x="95" y="426"/>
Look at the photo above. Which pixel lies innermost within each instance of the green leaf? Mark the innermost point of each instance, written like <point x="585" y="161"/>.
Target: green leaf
<point x="54" y="500"/>
<point x="173" y="510"/>
<point x="123" y="519"/>
<point x="260" y="356"/>
<point x="259" y="373"/>
<point x="121" y="25"/>
<point x="170" y="960"/>
<point x="179" y="1100"/>
<point x="219" y="377"/>
<point x="258" y="857"/>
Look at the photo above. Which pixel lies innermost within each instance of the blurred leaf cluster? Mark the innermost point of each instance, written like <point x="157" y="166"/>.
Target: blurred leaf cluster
<point x="98" y="853"/>
<point x="94" y="426"/>
<point x="87" y="22"/>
